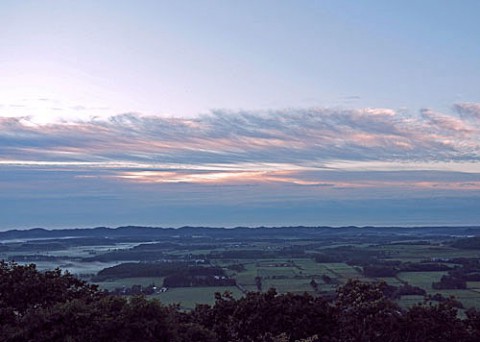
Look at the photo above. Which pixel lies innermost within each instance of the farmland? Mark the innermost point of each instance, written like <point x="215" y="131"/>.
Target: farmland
<point x="419" y="263"/>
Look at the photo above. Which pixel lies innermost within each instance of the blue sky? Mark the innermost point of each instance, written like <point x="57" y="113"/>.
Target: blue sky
<point x="231" y="113"/>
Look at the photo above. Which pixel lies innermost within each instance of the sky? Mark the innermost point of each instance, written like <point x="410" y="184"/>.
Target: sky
<point x="239" y="113"/>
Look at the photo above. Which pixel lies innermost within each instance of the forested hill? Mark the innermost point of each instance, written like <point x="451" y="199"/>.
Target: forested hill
<point x="258" y="232"/>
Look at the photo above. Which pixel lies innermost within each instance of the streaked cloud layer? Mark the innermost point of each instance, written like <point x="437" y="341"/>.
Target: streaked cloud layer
<point x="311" y="137"/>
<point x="253" y="161"/>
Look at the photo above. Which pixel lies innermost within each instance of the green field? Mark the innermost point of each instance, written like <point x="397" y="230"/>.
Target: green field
<point x="188" y="297"/>
<point x="342" y="271"/>
<point x="247" y="277"/>
<point x="421" y="279"/>
<point x="129" y="282"/>
<point x="288" y="285"/>
<point x="469" y="298"/>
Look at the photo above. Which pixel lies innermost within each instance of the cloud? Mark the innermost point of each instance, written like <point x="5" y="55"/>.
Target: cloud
<point x="468" y="110"/>
<point x="274" y="144"/>
<point x="446" y="122"/>
<point x="227" y="166"/>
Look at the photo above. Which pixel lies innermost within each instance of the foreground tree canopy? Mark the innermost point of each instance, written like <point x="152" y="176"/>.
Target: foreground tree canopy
<point x="56" y="306"/>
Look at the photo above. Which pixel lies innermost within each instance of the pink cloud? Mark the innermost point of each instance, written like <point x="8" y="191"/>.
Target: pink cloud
<point x="296" y="137"/>
<point x="447" y="122"/>
<point x="468" y="110"/>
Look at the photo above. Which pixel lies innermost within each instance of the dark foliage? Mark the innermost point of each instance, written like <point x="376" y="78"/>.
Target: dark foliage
<point x="379" y="271"/>
<point x="457" y="278"/>
<point x="198" y="276"/>
<point x="55" y="306"/>
<point x="24" y="287"/>
<point x="467" y="243"/>
<point x="449" y="282"/>
<point x="128" y="254"/>
<point x="424" y="267"/>
<point x="139" y="269"/>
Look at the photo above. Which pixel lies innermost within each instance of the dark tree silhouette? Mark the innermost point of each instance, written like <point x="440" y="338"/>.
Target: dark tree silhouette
<point x="55" y="306"/>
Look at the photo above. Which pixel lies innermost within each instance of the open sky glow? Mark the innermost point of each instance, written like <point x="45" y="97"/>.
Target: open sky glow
<point x="227" y="113"/>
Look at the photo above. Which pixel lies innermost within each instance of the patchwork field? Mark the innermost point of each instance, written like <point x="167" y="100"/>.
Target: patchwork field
<point x="301" y="260"/>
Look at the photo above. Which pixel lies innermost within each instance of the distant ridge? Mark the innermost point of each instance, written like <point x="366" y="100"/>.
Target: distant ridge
<point x="188" y="231"/>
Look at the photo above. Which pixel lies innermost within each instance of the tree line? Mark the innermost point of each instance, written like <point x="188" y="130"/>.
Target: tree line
<point x="56" y="306"/>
